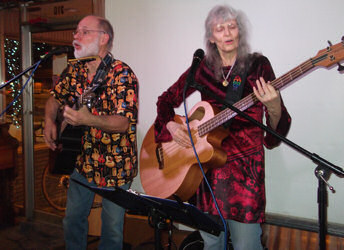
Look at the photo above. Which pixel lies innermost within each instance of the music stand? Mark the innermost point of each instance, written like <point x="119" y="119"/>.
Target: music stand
<point x="159" y="209"/>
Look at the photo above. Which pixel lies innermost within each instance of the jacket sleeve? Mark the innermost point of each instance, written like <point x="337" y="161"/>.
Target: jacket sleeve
<point x="170" y="99"/>
<point x="270" y="141"/>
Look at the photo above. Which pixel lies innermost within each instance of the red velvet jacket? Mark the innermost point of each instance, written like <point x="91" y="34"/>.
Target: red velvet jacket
<point x="239" y="184"/>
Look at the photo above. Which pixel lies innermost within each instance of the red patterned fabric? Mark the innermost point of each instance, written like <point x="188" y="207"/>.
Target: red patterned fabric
<point x="238" y="185"/>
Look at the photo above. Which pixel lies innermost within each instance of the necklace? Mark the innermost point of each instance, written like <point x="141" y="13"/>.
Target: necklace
<point x="225" y="82"/>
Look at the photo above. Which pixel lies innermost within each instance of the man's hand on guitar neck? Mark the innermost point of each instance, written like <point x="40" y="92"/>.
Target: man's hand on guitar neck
<point x="179" y="133"/>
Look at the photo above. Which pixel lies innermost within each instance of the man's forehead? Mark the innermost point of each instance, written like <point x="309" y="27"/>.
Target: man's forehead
<point x="88" y="22"/>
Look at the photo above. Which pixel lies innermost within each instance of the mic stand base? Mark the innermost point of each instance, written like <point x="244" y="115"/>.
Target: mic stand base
<point x="159" y="222"/>
<point x="322" y="205"/>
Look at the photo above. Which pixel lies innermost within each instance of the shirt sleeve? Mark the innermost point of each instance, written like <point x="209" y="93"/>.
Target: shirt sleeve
<point x="126" y="92"/>
<point x="68" y="89"/>
<point x="60" y="91"/>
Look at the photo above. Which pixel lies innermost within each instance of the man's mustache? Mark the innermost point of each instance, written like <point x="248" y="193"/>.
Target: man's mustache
<point x="76" y="43"/>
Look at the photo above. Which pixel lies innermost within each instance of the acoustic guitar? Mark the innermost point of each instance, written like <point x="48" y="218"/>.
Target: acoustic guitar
<point x="167" y="169"/>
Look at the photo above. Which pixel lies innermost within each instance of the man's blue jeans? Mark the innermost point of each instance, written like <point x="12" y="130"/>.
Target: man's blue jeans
<point x="75" y="222"/>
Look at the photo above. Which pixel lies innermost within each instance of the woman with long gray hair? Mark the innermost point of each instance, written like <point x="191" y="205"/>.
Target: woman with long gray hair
<point x="232" y="72"/>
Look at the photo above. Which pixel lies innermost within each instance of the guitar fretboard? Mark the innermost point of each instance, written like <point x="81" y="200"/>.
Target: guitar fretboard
<point x="248" y="101"/>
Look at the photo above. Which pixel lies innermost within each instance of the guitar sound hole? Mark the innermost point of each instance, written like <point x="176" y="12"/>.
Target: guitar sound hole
<point x="160" y="156"/>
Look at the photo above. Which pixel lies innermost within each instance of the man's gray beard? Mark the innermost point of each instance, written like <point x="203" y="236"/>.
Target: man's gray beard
<point x="90" y="50"/>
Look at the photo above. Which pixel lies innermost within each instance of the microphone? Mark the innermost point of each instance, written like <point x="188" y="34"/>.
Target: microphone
<point x="57" y="51"/>
<point x="197" y="58"/>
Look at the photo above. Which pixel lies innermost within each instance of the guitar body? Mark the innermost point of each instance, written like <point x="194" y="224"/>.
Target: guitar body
<point x="62" y="160"/>
<point x="167" y="168"/>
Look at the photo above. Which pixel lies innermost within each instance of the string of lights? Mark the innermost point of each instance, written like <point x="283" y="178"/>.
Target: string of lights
<point x="13" y="68"/>
<point x="12" y="62"/>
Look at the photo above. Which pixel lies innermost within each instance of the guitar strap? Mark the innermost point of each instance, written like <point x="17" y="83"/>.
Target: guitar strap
<point x="99" y="77"/>
<point x="101" y="72"/>
<point x="235" y="90"/>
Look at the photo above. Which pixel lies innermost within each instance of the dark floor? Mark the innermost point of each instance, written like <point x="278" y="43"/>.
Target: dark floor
<point x="42" y="234"/>
<point x="46" y="232"/>
<point x="32" y="235"/>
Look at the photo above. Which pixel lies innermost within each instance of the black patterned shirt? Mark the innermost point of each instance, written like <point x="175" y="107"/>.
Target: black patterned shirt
<point x="109" y="159"/>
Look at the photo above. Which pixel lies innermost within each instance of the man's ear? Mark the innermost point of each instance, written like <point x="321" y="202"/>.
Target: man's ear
<point x="105" y="38"/>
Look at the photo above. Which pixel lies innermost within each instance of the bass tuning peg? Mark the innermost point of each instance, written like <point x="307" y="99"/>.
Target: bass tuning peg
<point x="340" y="67"/>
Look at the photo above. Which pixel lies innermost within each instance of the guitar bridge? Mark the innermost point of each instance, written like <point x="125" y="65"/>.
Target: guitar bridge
<point x="160" y="156"/>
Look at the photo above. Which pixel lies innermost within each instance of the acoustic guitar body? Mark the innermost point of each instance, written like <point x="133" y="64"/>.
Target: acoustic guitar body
<point x="168" y="168"/>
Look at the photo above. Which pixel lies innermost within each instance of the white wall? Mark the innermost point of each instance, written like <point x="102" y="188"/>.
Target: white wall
<point x="157" y="38"/>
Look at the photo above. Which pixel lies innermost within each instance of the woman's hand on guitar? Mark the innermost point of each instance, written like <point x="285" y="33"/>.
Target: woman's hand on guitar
<point x="267" y="94"/>
<point x="179" y="133"/>
<point x="271" y="99"/>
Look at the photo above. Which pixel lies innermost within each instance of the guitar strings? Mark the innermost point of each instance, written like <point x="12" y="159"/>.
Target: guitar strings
<point x="173" y="146"/>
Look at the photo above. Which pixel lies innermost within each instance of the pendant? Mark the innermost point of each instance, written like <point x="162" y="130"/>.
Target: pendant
<point x="225" y="83"/>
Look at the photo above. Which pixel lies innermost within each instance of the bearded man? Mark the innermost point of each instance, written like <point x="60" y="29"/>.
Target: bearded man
<point x="110" y="116"/>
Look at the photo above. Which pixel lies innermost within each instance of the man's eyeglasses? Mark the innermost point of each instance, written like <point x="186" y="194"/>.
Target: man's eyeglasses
<point x="86" y="32"/>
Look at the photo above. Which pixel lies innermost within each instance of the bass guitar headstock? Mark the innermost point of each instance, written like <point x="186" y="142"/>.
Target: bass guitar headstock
<point x="340" y="67"/>
<point x="333" y="54"/>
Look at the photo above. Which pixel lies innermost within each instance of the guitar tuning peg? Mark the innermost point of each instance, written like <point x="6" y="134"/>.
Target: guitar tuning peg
<point x="340" y="67"/>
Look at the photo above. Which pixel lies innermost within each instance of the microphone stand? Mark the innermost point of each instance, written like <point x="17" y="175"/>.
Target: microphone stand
<point x="20" y="74"/>
<point x="43" y="59"/>
<point x="322" y="172"/>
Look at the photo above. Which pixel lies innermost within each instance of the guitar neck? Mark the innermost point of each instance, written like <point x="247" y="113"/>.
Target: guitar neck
<point x="248" y="101"/>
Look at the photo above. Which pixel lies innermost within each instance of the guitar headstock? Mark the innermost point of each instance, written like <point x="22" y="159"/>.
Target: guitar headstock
<point x="331" y="55"/>
<point x="87" y="98"/>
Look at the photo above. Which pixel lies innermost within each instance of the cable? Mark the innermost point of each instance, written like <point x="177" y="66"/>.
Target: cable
<point x="21" y="90"/>
<point x="200" y="166"/>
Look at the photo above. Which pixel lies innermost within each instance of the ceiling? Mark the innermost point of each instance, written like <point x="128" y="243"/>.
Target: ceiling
<point x="50" y="21"/>
<point x="9" y="4"/>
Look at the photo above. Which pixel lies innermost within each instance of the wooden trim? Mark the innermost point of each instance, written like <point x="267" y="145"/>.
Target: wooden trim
<point x="334" y="229"/>
<point x="99" y="7"/>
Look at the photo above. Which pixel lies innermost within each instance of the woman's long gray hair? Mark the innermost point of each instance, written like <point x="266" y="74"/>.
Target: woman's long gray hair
<point x="218" y="14"/>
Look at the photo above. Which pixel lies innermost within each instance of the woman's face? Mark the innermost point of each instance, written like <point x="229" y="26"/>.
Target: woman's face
<point x="226" y="37"/>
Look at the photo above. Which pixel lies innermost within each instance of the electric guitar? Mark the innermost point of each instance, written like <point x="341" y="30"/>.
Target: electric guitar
<point x="168" y="168"/>
<point x="62" y="160"/>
